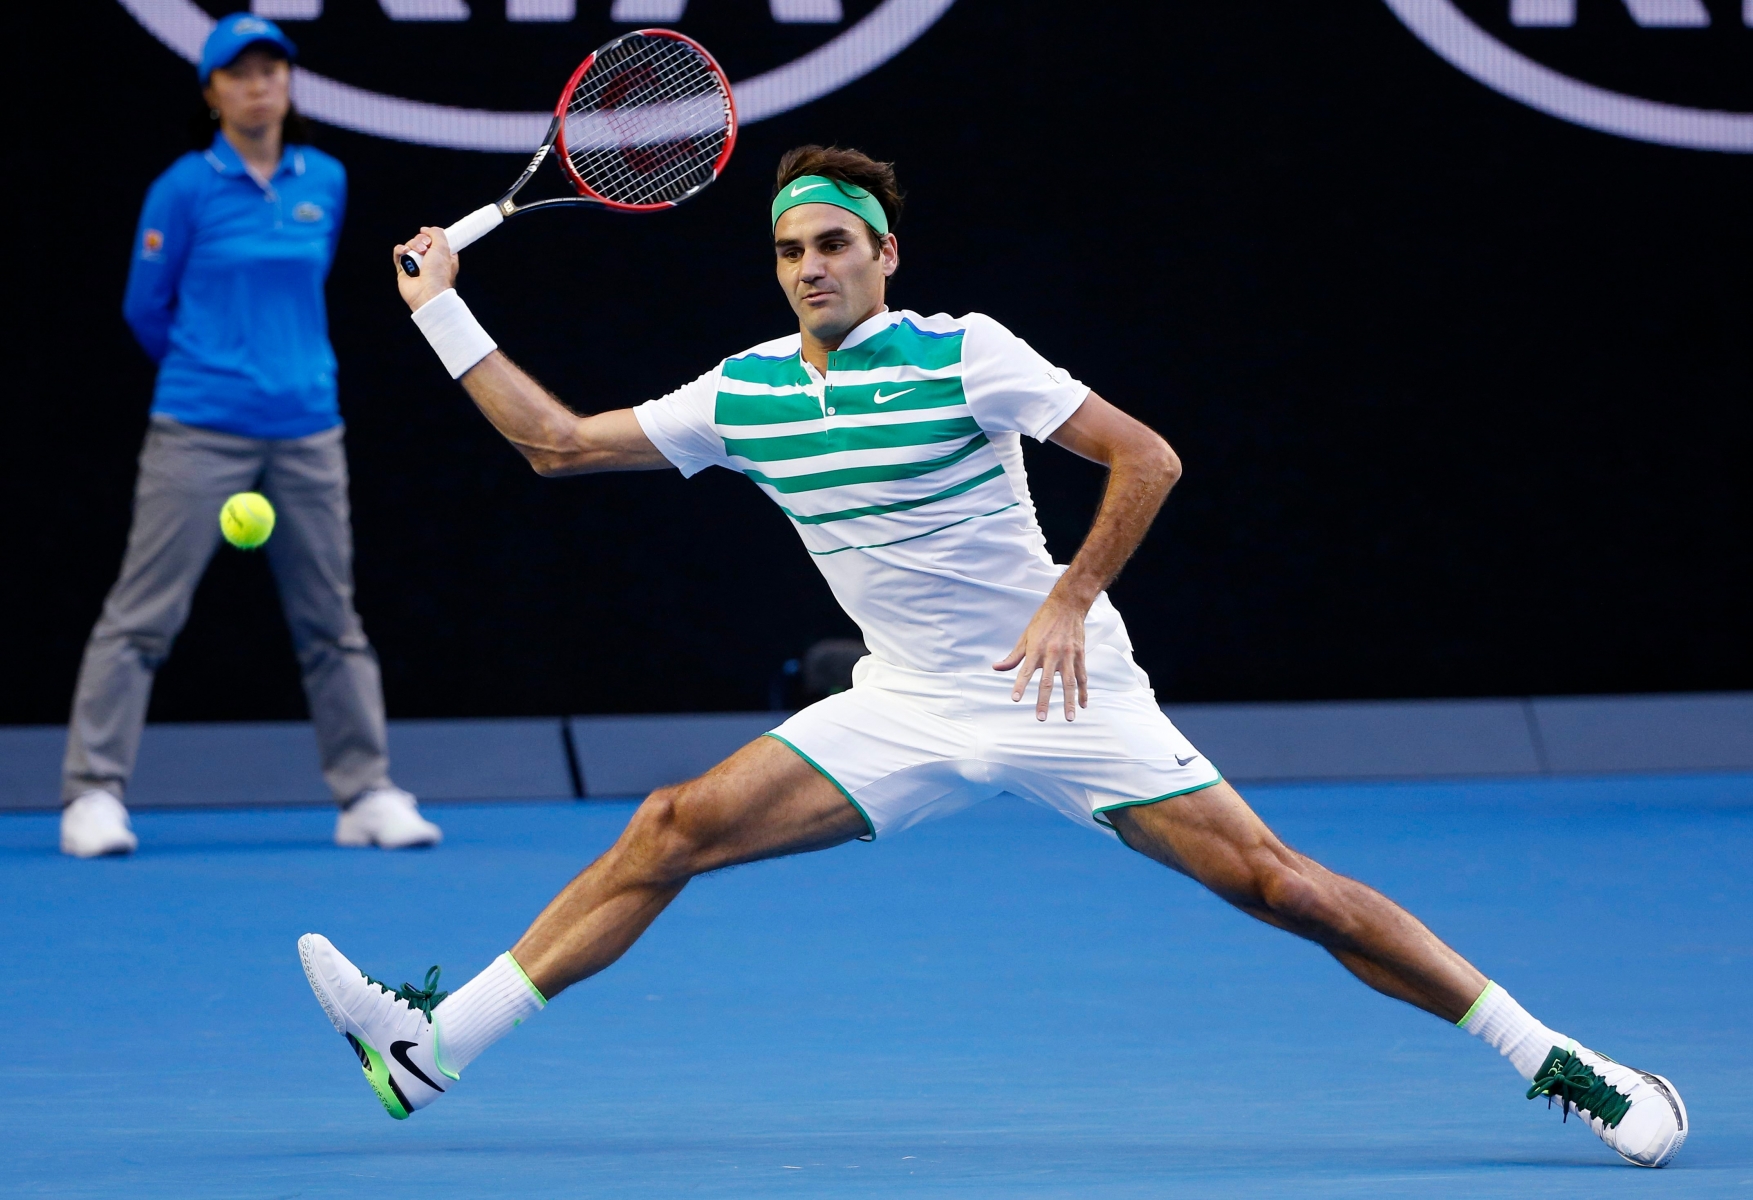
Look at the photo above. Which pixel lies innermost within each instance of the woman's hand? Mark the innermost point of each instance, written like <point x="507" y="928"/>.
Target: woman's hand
<point x="438" y="266"/>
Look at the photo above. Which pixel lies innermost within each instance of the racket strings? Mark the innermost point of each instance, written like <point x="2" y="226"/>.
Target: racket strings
<point x="647" y="122"/>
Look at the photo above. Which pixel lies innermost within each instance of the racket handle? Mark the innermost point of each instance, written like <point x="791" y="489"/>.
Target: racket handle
<point x="466" y="232"/>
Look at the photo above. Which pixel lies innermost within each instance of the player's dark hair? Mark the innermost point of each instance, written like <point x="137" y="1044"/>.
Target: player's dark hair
<point x="848" y="166"/>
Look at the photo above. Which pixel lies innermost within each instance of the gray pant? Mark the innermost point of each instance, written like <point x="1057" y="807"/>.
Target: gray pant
<point x="185" y="475"/>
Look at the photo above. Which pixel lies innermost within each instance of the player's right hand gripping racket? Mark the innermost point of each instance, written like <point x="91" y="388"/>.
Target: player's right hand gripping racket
<point x="644" y="123"/>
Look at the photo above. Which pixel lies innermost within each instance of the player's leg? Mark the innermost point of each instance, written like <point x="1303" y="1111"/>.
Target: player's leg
<point x="311" y="554"/>
<point x="1214" y="837"/>
<point x="783" y="794"/>
<point x="1122" y="747"/>
<point x="185" y="476"/>
<point x="762" y="802"/>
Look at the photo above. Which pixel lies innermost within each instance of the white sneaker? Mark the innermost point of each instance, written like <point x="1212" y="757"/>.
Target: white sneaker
<point x="1641" y="1116"/>
<point x="94" y="824"/>
<point x="390" y="1030"/>
<point x="387" y="817"/>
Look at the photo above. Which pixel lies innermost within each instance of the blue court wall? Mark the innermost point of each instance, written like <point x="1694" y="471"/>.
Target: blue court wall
<point x="245" y="764"/>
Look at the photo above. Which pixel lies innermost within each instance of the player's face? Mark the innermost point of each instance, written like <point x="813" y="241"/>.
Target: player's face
<point x="832" y="275"/>
<point x="253" y="93"/>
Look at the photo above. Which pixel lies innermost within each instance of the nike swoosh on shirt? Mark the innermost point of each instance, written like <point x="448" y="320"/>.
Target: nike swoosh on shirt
<point x="798" y="191"/>
<point x="400" y="1051"/>
<point x="882" y="399"/>
<point x="1179" y="762"/>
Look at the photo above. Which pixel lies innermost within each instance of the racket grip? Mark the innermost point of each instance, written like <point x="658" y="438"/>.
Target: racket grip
<point x="474" y="227"/>
<point x="466" y="232"/>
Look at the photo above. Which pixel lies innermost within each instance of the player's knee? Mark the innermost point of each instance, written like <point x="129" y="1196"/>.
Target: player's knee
<point x="653" y="838"/>
<point x="666" y="837"/>
<point x="1287" y="891"/>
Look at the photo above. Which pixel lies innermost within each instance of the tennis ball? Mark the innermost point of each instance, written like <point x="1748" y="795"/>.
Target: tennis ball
<point x="246" y="520"/>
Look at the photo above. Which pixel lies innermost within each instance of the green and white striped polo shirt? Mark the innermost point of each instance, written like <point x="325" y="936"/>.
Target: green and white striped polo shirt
<point x="901" y="470"/>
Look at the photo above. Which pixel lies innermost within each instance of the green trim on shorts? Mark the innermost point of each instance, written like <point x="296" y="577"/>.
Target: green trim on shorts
<point x="869" y="837"/>
<point x="1096" y="815"/>
<point x="1490" y="985"/>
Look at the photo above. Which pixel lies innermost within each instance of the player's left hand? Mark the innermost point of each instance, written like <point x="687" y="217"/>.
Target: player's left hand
<point x="1052" y="645"/>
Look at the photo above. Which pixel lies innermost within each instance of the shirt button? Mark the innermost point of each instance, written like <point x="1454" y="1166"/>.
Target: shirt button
<point x="830" y="412"/>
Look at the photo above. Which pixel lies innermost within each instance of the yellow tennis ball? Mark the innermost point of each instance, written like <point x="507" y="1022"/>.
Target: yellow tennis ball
<point x="246" y="520"/>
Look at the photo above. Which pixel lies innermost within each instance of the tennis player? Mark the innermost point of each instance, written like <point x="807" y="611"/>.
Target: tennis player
<point x="892" y="441"/>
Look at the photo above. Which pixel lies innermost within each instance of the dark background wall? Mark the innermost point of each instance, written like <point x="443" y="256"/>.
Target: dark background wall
<point x="1462" y="390"/>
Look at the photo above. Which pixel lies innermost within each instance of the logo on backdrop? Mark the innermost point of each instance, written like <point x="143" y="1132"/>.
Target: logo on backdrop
<point x="824" y="46"/>
<point x="1675" y="72"/>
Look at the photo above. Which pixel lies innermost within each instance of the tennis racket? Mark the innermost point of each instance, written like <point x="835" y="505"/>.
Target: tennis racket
<point x="644" y="123"/>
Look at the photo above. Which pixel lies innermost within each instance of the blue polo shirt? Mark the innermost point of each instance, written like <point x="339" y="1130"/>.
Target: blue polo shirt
<point x="226" y="291"/>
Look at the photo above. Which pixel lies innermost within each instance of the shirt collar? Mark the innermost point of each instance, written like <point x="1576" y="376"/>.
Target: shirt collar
<point x="224" y="158"/>
<point x="870" y="328"/>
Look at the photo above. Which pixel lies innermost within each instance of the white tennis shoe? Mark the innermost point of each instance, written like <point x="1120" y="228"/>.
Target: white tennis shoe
<point x="96" y="824"/>
<point x="1639" y="1115"/>
<point x="386" y="817"/>
<point x="390" y="1030"/>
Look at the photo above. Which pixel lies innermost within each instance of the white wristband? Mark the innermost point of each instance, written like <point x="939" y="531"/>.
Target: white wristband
<point x="454" y="333"/>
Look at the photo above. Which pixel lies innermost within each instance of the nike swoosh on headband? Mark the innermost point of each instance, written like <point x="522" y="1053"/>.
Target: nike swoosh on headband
<point x="837" y="192"/>
<point x="882" y="399"/>
<point x="400" y="1051"/>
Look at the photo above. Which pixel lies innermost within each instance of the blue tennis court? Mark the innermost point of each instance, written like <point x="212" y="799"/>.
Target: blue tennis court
<point x="999" y="1004"/>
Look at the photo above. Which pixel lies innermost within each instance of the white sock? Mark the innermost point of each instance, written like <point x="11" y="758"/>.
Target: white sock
<point x="482" y="1011"/>
<point x="1506" y="1027"/>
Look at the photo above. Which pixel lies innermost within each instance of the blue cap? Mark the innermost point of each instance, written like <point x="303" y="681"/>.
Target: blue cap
<point x="235" y="34"/>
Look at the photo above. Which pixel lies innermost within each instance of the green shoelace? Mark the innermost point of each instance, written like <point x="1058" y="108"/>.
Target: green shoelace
<point x="1570" y="1081"/>
<point x="420" y="999"/>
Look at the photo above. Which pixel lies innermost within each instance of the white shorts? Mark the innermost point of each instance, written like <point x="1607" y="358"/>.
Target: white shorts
<point x="905" y="746"/>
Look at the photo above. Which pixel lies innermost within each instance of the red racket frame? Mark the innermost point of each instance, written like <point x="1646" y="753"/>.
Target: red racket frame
<point x="583" y="188"/>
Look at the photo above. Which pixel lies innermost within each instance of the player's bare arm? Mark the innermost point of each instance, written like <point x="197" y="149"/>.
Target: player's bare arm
<point x="555" y="440"/>
<point x="1141" y="469"/>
